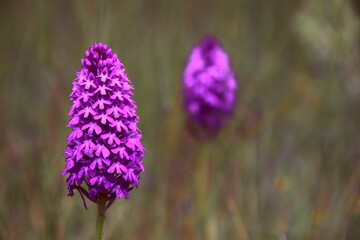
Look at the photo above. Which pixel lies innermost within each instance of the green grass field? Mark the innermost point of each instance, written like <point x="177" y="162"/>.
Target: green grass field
<point x="286" y="167"/>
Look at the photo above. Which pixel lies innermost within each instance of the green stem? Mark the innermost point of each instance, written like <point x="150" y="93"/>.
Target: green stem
<point x="100" y="219"/>
<point x="202" y="185"/>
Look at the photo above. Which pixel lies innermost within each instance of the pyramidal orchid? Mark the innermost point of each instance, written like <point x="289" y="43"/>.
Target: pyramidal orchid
<point x="104" y="151"/>
<point x="209" y="85"/>
<point x="209" y="97"/>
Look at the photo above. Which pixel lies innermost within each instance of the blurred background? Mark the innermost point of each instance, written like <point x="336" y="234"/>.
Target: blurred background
<point x="285" y="167"/>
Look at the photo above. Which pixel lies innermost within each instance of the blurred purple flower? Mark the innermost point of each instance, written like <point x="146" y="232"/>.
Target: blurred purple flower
<point x="104" y="152"/>
<point x="209" y="85"/>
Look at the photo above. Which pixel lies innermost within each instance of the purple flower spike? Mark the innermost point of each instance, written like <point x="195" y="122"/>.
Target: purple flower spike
<point x="104" y="152"/>
<point x="209" y="85"/>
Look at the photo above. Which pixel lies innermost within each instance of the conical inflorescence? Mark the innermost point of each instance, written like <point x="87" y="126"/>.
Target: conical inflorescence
<point x="209" y="85"/>
<point x="104" y="152"/>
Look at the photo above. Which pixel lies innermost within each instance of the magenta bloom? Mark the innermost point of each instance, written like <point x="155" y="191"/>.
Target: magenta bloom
<point x="209" y="85"/>
<point x="104" y="153"/>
